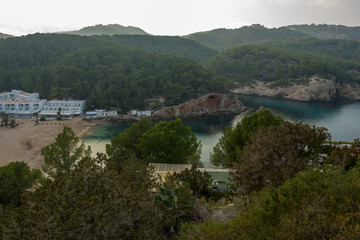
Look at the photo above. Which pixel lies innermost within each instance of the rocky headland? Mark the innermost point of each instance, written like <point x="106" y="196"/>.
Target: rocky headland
<point x="318" y="89"/>
<point x="208" y="105"/>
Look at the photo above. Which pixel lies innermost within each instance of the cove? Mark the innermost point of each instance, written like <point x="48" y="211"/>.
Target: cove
<point x="341" y="118"/>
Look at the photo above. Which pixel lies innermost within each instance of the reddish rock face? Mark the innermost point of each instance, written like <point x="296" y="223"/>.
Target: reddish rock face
<point x="211" y="104"/>
<point x="213" y="100"/>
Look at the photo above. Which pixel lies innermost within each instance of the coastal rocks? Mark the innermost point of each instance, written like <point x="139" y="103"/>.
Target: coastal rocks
<point x="318" y="89"/>
<point x="211" y="104"/>
<point x="349" y="92"/>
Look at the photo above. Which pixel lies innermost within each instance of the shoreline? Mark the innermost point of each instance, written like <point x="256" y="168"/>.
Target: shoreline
<point x="24" y="142"/>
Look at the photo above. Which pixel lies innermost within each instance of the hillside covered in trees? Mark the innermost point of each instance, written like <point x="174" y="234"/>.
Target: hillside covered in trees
<point x="114" y="71"/>
<point x="325" y="31"/>
<point x="222" y="39"/>
<point x="290" y="62"/>
<point x="90" y="66"/>
<point x="167" y="45"/>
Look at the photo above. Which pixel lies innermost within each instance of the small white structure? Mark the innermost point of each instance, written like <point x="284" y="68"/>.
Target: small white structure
<point x="67" y="109"/>
<point x="100" y="113"/>
<point x="133" y="112"/>
<point x="143" y="113"/>
<point x="18" y="103"/>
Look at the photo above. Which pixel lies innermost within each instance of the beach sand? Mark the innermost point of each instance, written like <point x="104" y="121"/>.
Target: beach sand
<point x="24" y="142"/>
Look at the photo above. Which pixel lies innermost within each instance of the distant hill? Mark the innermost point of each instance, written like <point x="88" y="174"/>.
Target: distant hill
<point x="167" y="45"/>
<point x="110" y="29"/>
<point x="325" y="31"/>
<point x="222" y="39"/>
<point x="3" y="35"/>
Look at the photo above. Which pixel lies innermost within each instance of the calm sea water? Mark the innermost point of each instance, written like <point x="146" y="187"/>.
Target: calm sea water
<point x="341" y="118"/>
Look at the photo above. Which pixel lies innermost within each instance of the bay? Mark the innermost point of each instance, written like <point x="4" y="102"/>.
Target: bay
<point x="341" y="118"/>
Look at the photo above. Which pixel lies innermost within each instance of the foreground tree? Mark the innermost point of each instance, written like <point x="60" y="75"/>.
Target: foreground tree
<point x="316" y="204"/>
<point x="36" y="115"/>
<point x="60" y="157"/>
<point x="170" y="142"/>
<point x="199" y="182"/>
<point x="94" y="202"/>
<point x="227" y="150"/>
<point x="15" y="179"/>
<point x="276" y="154"/>
<point x="344" y="156"/>
<point x="4" y="119"/>
<point x="125" y="144"/>
<point x="165" y="142"/>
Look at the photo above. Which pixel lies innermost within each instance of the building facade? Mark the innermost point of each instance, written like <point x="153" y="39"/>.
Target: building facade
<point x="18" y="103"/>
<point x="67" y="109"/>
<point x="100" y="113"/>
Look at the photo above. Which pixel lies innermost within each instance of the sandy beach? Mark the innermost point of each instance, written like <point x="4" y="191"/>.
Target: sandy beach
<point x="24" y="142"/>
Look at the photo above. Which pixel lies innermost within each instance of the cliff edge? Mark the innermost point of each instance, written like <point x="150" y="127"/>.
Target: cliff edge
<point x="317" y="90"/>
<point x="210" y="104"/>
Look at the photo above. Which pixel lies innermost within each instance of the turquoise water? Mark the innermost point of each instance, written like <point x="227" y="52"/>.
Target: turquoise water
<point x="341" y="118"/>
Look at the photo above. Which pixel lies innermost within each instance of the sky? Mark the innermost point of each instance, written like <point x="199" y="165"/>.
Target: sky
<point x="171" y="17"/>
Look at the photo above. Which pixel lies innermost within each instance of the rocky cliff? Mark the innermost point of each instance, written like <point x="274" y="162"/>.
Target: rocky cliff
<point x="318" y="89"/>
<point x="211" y="104"/>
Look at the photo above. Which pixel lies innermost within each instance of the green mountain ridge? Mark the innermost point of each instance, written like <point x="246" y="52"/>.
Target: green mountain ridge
<point x="223" y="39"/>
<point x="110" y="29"/>
<point x="325" y="31"/>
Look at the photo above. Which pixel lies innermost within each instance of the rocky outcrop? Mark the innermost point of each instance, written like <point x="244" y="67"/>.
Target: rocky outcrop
<point x="211" y="104"/>
<point x="318" y="89"/>
<point x="349" y="92"/>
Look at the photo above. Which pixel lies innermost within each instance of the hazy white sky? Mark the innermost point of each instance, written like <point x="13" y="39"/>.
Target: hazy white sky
<point x="171" y="17"/>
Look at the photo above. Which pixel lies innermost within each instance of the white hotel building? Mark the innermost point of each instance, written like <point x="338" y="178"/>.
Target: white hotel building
<point x="67" y="109"/>
<point x="18" y="103"/>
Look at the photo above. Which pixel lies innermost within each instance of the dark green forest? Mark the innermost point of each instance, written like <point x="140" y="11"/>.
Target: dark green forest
<point x="290" y="62"/>
<point x="103" y="71"/>
<point x="166" y="45"/>
<point x="122" y="71"/>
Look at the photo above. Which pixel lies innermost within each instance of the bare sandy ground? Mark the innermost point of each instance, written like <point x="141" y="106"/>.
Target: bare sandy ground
<point x="24" y="142"/>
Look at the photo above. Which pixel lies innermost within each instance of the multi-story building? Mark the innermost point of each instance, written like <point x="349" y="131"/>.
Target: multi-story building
<point x="21" y="104"/>
<point x="66" y="108"/>
<point x="14" y="94"/>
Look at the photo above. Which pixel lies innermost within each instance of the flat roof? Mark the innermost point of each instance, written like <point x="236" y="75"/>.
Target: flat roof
<point x="21" y="100"/>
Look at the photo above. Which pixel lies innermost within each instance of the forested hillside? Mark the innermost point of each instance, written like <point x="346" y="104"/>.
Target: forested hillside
<point x="115" y="77"/>
<point x="110" y="29"/>
<point x="325" y="31"/>
<point x="222" y="39"/>
<point x="41" y="63"/>
<point x="290" y="61"/>
<point x="168" y="45"/>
